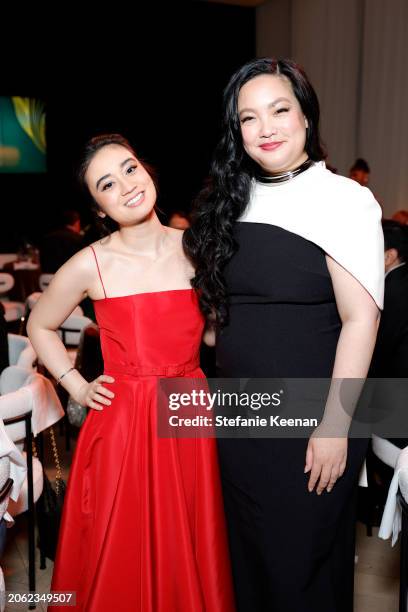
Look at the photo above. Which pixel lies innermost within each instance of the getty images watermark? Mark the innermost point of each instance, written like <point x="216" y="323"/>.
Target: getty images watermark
<point x="208" y="401"/>
<point x="291" y="408"/>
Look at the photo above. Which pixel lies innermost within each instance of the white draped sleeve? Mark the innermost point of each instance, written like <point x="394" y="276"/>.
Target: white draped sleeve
<point x="332" y="211"/>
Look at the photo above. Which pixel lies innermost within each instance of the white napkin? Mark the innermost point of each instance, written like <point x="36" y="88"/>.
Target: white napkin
<point x="391" y="519"/>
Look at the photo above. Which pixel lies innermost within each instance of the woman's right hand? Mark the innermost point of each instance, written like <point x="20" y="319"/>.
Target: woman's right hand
<point x="94" y="394"/>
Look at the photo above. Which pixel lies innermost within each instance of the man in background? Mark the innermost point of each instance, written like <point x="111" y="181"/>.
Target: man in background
<point x="61" y="244"/>
<point x="390" y="358"/>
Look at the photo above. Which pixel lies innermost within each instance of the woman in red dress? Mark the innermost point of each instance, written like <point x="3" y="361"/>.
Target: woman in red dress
<point x="143" y="526"/>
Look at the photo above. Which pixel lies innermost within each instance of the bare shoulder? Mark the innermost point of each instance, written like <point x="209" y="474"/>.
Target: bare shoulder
<point x="73" y="279"/>
<point x="82" y="262"/>
<point x="78" y="271"/>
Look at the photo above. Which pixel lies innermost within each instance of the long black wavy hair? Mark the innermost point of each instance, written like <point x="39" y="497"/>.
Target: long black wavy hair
<point x="209" y="242"/>
<point x="104" y="225"/>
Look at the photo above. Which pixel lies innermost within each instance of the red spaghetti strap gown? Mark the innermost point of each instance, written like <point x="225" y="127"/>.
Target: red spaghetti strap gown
<point x="143" y="524"/>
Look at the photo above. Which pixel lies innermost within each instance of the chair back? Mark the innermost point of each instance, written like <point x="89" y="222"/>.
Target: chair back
<point x="21" y="351"/>
<point x="6" y="258"/>
<point x="70" y="330"/>
<point x="6" y="282"/>
<point x="13" y="378"/>
<point x="14" y="408"/>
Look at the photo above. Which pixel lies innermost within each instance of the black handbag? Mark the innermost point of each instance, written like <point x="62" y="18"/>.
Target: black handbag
<point x="49" y="508"/>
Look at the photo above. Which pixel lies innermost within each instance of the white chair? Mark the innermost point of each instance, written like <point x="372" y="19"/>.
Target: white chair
<point x="13" y="310"/>
<point x="33" y="485"/>
<point x="12" y="475"/>
<point x="16" y="411"/>
<point x="70" y="331"/>
<point x="5" y="487"/>
<point x="22" y="503"/>
<point x="26" y="412"/>
<point x="18" y="427"/>
<point x="21" y="352"/>
<point x="6" y="258"/>
<point x="38" y="393"/>
<point x="13" y="378"/>
<point x="44" y="281"/>
<point x="22" y="358"/>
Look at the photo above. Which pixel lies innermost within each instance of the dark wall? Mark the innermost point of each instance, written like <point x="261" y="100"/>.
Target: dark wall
<point x="156" y="76"/>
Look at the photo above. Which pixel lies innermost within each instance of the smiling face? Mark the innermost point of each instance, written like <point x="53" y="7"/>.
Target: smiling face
<point x="120" y="185"/>
<point x="273" y="126"/>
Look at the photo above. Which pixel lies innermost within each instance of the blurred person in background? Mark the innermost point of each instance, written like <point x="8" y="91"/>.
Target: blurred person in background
<point x="390" y="358"/>
<point x="179" y="220"/>
<point x="401" y="216"/>
<point x="62" y="243"/>
<point x="360" y="172"/>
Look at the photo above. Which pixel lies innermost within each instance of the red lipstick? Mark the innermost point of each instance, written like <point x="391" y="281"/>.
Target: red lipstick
<point x="271" y="146"/>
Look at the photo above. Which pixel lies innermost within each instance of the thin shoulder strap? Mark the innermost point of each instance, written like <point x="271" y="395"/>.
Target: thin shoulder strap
<point x="99" y="272"/>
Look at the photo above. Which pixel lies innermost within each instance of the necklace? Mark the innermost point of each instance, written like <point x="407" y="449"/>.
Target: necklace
<point x="272" y="179"/>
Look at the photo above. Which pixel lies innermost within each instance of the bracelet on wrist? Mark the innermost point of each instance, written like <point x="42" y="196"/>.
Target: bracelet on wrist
<point x="64" y="374"/>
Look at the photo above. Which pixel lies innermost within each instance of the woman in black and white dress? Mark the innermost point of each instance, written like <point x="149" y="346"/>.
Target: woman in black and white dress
<point x="289" y="257"/>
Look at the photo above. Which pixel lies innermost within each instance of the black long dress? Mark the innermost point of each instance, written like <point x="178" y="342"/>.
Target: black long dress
<point x="291" y="550"/>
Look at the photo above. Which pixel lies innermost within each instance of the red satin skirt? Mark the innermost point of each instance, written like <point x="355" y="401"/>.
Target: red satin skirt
<point x="143" y="522"/>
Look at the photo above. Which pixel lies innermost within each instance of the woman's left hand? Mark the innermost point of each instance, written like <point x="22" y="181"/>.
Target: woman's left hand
<point x="326" y="460"/>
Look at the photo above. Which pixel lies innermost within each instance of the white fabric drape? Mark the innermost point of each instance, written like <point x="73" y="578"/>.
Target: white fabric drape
<point x="356" y="54"/>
